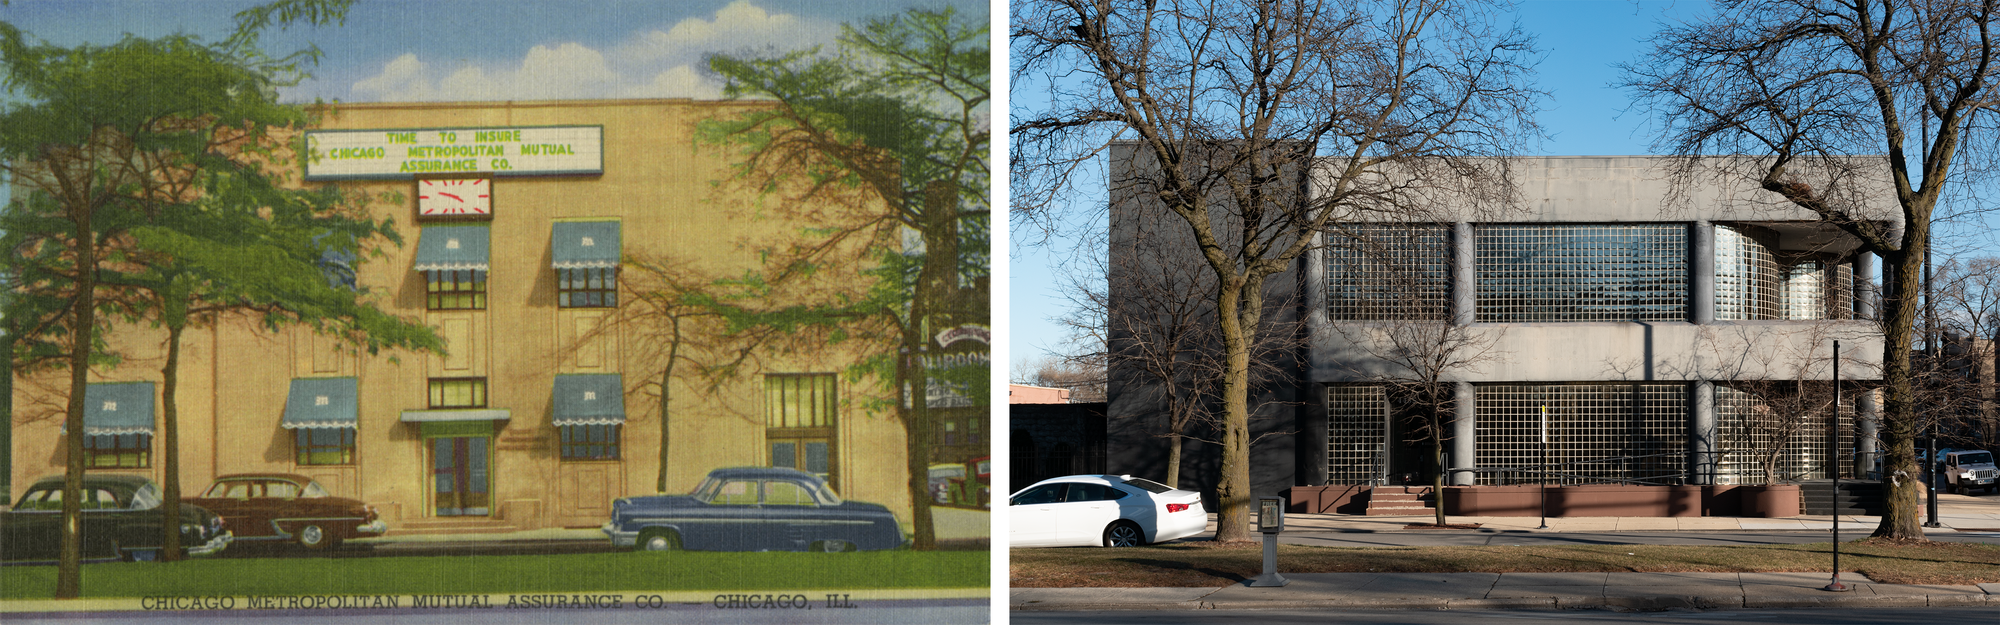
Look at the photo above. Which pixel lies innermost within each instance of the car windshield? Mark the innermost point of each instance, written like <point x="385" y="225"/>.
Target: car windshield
<point x="1978" y="458"/>
<point x="146" y="498"/>
<point x="1149" y="485"/>
<point x="313" y="491"/>
<point x="706" y="490"/>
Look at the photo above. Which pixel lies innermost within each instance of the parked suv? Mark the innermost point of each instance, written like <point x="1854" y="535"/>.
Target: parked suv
<point x="1970" y="469"/>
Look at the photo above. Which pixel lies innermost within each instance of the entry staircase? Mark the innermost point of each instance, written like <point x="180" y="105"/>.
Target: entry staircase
<point x="1861" y="497"/>
<point x="1401" y="500"/>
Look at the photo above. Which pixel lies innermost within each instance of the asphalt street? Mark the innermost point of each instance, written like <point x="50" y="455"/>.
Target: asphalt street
<point x="1825" y="616"/>
<point x="1467" y="538"/>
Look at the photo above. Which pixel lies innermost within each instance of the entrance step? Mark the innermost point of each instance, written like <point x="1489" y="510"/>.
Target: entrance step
<point x="1400" y="500"/>
<point x="453" y="526"/>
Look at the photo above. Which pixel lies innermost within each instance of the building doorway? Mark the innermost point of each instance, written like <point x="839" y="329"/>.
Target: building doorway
<point x="460" y="472"/>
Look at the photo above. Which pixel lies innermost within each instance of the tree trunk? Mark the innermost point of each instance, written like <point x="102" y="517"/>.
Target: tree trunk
<point x="666" y="393"/>
<point x="1903" y="492"/>
<point x="83" y="322"/>
<point x="916" y="435"/>
<point x="1437" y="481"/>
<point x="1174" y="458"/>
<point x="1232" y="489"/>
<point x="170" y="482"/>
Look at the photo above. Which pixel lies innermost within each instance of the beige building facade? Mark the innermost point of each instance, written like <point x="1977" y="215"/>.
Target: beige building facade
<point x="542" y="410"/>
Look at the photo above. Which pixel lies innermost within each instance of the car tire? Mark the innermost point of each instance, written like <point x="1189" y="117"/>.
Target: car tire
<point x="1124" y="534"/>
<point x="832" y="546"/>
<point x="317" y="538"/>
<point x="658" y="540"/>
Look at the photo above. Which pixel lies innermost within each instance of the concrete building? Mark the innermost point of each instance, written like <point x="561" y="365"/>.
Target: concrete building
<point x="1651" y="322"/>
<point x="516" y="217"/>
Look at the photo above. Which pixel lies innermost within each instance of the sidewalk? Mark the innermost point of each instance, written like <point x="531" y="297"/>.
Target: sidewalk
<point x="1955" y="513"/>
<point x="1503" y="591"/>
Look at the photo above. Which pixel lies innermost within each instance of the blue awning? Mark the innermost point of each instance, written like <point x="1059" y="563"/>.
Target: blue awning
<point x="120" y="408"/>
<point x="589" y="400"/>
<point x="321" y="403"/>
<point x="584" y="244"/>
<point x="446" y="248"/>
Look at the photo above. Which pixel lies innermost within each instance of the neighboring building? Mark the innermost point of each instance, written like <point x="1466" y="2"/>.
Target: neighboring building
<point x="516" y="217"/>
<point x="1025" y="394"/>
<point x="1645" y="321"/>
<point x="1054" y="440"/>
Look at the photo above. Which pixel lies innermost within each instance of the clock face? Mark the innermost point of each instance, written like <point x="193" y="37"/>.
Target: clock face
<point x="448" y="198"/>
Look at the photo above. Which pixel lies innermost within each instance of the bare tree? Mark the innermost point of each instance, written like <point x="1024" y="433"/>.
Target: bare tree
<point x="1258" y="123"/>
<point x="1082" y="377"/>
<point x="1417" y="361"/>
<point x="1968" y="293"/>
<point x="1804" y="86"/>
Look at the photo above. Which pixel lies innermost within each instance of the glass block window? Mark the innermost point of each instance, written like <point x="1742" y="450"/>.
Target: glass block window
<point x="1388" y="272"/>
<point x="118" y="451"/>
<point x="1746" y="277"/>
<point x="458" y="393"/>
<point x="1816" y="289"/>
<point x="1355" y="420"/>
<point x="590" y="442"/>
<point x="1749" y="429"/>
<point x="1597" y="432"/>
<point x="457" y="289"/>
<point x="591" y="287"/>
<point x="1542" y="272"/>
<point x="325" y="445"/>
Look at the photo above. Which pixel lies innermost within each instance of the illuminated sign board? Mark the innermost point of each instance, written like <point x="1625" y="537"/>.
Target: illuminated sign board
<point x="405" y="153"/>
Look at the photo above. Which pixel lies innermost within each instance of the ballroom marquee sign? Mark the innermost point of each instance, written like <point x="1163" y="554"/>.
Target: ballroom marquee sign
<point x="407" y="153"/>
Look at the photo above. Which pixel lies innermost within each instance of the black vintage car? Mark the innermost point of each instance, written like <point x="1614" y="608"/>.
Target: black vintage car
<point x="121" y="521"/>
<point x="753" y="509"/>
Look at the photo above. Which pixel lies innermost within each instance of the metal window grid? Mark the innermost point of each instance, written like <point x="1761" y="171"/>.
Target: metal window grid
<point x="1623" y="272"/>
<point x="1355" y="429"/>
<point x="1746" y="277"/>
<point x="1590" y="424"/>
<point x="456" y="289"/>
<point x="590" y="442"/>
<point x="1803" y="457"/>
<point x="799" y="400"/>
<point x="325" y="446"/>
<point x="588" y="287"/>
<point x="1378" y="272"/>
<point x="119" y="451"/>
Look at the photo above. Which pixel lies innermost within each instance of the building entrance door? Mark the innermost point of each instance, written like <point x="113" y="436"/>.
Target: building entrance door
<point x="459" y="472"/>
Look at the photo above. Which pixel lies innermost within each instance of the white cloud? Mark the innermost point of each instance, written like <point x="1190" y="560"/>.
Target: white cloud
<point x="654" y="63"/>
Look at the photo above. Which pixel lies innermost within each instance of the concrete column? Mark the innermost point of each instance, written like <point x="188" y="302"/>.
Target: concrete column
<point x="1464" y="434"/>
<point x="1701" y="283"/>
<point x="1866" y="296"/>
<point x="1868" y="420"/>
<point x="1702" y="434"/>
<point x="1464" y="282"/>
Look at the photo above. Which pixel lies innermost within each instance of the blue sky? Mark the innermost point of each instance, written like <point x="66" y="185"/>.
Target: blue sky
<point x="402" y="50"/>
<point x="1585" y="115"/>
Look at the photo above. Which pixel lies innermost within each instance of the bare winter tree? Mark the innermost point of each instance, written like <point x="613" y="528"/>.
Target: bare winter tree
<point x="1803" y="87"/>
<point x="1258" y="123"/>
<point x="1417" y="361"/>
<point x="1968" y="293"/>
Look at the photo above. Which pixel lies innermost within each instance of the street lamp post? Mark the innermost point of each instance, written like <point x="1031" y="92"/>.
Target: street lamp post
<point x="1835" y="585"/>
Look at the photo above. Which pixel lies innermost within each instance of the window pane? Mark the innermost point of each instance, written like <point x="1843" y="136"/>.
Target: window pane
<point x="784" y="455"/>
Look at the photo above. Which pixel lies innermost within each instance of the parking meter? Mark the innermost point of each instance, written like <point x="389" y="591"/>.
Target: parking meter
<point x="1270" y="521"/>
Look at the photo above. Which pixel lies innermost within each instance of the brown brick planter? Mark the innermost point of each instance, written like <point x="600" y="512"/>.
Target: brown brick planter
<point x="1772" y="501"/>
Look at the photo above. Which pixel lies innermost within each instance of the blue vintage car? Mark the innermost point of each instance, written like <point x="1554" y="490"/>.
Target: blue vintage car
<point x="753" y="509"/>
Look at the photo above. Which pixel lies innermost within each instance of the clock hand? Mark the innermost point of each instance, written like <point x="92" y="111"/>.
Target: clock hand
<point x="451" y="196"/>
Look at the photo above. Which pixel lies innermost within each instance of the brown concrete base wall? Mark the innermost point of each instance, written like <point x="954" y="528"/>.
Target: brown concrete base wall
<point x="1493" y="500"/>
<point x="1329" y="499"/>
<point x="1721" y="500"/>
<point x="1773" y="501"/>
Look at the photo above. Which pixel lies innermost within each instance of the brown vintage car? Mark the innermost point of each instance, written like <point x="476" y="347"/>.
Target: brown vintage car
<point x="282" y="506"/>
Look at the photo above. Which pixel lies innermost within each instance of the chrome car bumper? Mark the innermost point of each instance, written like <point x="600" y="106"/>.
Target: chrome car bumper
<point x="218" y="543"/>
<point x="618" y="538"/>
<point x="377" y="526"/>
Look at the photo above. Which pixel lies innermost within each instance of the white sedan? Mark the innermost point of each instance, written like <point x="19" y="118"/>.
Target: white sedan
<point x="1108" y="510"/>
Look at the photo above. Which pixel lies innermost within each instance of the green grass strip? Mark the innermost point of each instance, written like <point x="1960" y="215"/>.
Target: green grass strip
<point x="514" y="574"/>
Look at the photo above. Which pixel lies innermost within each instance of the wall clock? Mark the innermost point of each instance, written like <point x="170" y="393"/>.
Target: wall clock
<point x="455" y="198"/>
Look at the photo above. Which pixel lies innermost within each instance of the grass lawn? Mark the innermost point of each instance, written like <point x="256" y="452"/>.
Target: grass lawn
<point x="772" y="572"/>
<point x="1195" y="564"/>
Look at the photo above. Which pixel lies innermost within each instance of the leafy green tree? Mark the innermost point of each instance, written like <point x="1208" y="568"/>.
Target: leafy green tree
<point x="887" y="137"/>
<point x="101" y="139"/>
<point x="249" y="246"/>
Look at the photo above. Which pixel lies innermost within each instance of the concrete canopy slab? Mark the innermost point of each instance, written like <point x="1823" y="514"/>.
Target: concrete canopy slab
<point x="1551" y="579"/>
